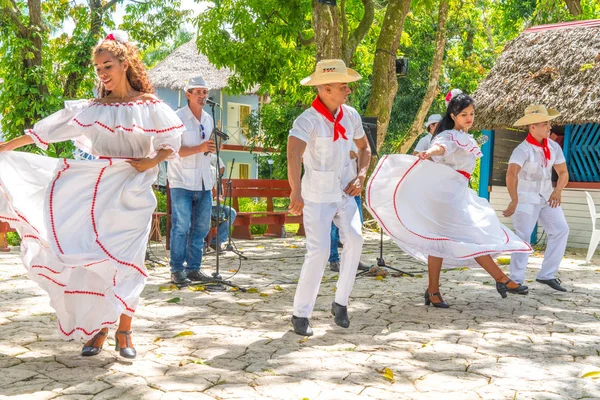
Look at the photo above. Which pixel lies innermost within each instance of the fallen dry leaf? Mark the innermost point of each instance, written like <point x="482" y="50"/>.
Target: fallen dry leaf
<point x="278" y="288"/>
<point x="184" y="333"/>
<point x="388" y="374"/>
<point x="592" y="375"/>
<point x="196" y="288"/>
<point x="158" y="339"/>
<point x="252" y="290"/>
<point x="303" y="340"/>
<point x="264" y="295"/>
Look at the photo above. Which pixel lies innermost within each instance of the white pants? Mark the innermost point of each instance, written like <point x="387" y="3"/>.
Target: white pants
<point x="554" y="223"/>
<point x="317" y="224"/>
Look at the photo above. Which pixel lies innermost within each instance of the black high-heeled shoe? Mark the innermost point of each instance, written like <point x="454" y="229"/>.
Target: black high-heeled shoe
<point x="440" y="304"/>
<point x="128" y="351"/>
<point x="502" y="288"/>
<point x="92" y="350"/>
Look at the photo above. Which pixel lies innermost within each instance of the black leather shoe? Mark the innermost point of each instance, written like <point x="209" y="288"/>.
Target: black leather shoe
<point x="440" y="304"/>
<point x="341" y="315"/>
<point x="502" y="288"/>
<point x="363" y="267"/>
<point x="553" y="283"/>
<point x="180" y="278"/>
<point x="334" y="266"/>
<point x="301" y="326"/>
<point x="93" y="350"/>
<point x="198" y="276"/>
<point x="128" y="351"/>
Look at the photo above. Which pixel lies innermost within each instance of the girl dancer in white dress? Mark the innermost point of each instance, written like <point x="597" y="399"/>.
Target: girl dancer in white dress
<point x="84" y="224"/>
<point x="429" y="211"/>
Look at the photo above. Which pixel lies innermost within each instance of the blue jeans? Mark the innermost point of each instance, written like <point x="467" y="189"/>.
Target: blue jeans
<point x="190" y="225"/>
<point x="334" y="255"/>
<point x="224" y="227"/>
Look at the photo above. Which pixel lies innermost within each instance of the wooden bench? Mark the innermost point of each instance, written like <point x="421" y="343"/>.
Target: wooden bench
<point x="275" y="220"/>
<point x="4" y="229"/>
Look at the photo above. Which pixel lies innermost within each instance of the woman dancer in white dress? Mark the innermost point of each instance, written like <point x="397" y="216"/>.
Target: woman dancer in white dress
<point x="84" y="224"/>
<point x="430" y="212"/>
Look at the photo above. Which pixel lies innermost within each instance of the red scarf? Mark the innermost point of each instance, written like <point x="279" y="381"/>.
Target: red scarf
<point x="531" y="140"/>
<point x="338" y="129"/>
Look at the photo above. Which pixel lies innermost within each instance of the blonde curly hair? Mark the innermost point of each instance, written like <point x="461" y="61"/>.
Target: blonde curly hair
<point x="136" y="72"/>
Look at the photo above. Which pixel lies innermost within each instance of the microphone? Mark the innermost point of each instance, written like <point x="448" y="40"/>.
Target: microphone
<point x="212" y="102"/>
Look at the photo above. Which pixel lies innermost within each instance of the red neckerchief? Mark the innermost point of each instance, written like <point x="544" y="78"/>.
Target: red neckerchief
<point x="531" y="140"/>
<point x="338" y="129"/>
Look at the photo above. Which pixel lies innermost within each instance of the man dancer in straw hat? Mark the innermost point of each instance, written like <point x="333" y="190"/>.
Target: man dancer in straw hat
<point x="321" y="137"/>
<point x="529" y="183"/>
<point x="425" y="142"/>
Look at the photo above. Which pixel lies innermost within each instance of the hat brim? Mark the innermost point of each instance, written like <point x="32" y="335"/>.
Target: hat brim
<point x="195" y="87"/>
<point x="537" y="118"/>
<point x="331" y="77"/>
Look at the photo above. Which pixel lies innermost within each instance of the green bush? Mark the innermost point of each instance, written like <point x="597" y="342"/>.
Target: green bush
<point x="13" y="239"/>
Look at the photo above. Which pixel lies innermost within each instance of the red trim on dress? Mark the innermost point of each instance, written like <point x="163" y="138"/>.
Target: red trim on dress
<point x="125" y="304"/>
<point x="129" y="104"/>
<point x="52" y="280"/>
<point x="66" y="167"/>
<point x="31" y="132"/>
<point x="9" y="218"/>
<point x="96" y="229"/>
<point x="43" y="266"/>
<point x="78" y="328"/>
<point x="127" y="129"/>
<point x="84" y="292"/>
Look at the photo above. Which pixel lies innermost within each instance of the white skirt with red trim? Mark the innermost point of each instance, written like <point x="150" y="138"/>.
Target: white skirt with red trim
<point x="428" y="209"/>
<point x="84" y="226"/>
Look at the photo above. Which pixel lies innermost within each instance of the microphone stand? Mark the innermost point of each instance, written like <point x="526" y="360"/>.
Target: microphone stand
<point x="380" y="260"/>
<point x="229" y="196"/>
<point x="217" y="281"/>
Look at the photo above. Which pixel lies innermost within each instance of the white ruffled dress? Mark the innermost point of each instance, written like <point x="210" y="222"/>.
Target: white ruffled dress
<point x="427" y="207"/>
<point x="84" y="224"/>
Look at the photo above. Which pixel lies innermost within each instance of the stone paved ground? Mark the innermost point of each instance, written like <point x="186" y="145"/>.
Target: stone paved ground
<point x="239" y="345"/>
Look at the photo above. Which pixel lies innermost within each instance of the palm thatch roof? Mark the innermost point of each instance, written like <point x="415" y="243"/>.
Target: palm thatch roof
<point x="555" y="65"/>
<point x="185" y="63"/>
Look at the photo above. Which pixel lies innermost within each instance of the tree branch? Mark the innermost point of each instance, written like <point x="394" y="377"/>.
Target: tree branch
<point x="434" y="78"/>
<point x="14" y="15"/>
<point x="574" y="7"/>
<point x="344" y="24"/>
<point x="351" y="42"/>
<point x="110" y="4"/>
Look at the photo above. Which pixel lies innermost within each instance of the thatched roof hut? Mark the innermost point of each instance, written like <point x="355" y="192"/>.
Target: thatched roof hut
<point x="185" y="63"/>
<point x="555" y="65"/>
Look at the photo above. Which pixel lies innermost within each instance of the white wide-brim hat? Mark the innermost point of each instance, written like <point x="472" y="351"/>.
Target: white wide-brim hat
<point x="433" y="119"/>
<point x="331" y="71"/>
<point x="197" y="82"/>
<point x="537" y="113"/>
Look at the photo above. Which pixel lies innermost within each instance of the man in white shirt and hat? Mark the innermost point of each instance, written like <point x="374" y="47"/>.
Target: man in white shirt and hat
<point x="529" y="183"/>
<point x="321" y="138"/>
<point x="425" y="142"/>
<point x="191" y="182"/>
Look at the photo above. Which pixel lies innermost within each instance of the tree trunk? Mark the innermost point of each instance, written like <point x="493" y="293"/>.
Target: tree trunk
<point x="328" y="38"/>
<point x="434" y="78"/>
<point x="350" y="41"/>
<point x="384" y="83"/>
<point x="574" y="7"/>
<point x="82" y="62"/>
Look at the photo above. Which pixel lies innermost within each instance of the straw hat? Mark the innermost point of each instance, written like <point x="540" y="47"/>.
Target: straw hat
<point x="331" y="71"/>
<point x="537" y="113"/>
<point x="197" y="82"/>
<point x="433" y="118"/>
